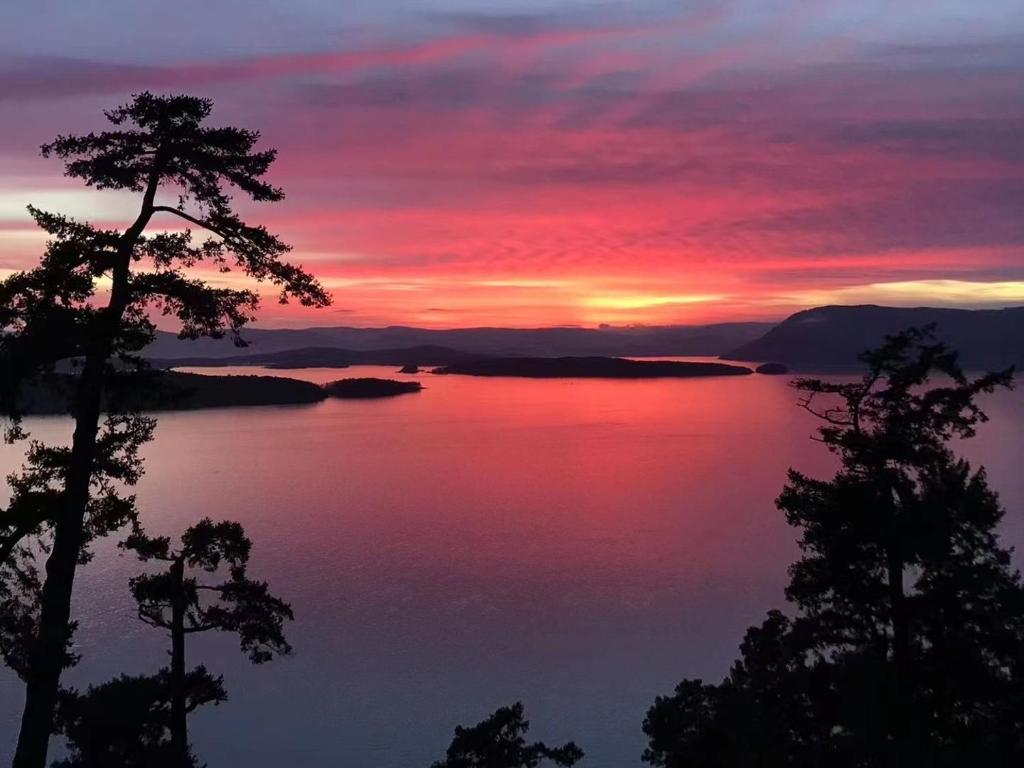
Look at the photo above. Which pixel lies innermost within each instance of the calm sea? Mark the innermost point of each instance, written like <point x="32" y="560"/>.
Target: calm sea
<point x="577" y="545"/>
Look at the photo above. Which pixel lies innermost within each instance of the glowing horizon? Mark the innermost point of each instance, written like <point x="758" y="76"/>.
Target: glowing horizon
<point x="575" y="163"/>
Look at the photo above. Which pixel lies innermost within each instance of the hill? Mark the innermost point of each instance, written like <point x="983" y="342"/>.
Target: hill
<point x="325" y="357"/>
<point x="590" y="368"/>
<point x="832" y="337"/>
<point x="498" y="342"/>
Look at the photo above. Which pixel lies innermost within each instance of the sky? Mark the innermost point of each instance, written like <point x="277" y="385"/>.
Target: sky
<point x="539" y="162"/>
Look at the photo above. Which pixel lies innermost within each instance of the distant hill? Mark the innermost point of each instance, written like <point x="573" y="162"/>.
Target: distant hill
<point x="498" y="342"/>
<point x="590" y="368"/>
<point x="325" y="357"/>
<point x="832" y="337"/>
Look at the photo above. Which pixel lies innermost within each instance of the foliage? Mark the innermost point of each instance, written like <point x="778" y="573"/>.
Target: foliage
<point x="498" y="742"/>
<point x="769" y="711"/>
<point x="908" y="636"/>
<point x="237" y="604"/>
<point x="88" y="306"/>
<point x="28" y="522"/>
<point x="125" y="723"/>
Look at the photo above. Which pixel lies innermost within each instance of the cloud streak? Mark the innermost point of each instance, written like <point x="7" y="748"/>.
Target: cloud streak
<point x="580" y="165"/>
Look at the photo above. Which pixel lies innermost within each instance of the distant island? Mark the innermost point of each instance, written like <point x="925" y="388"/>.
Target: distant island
<point x="772" y="369"/>
<point x="824" y="338"/>
<point x="176" y="391"/>
<point x="590" y="368"/>
<point x="324" y="357"/>
<point x="369" y="387"/>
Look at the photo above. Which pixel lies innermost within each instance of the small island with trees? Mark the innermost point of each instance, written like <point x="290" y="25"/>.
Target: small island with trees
<point x="370" y="388"/>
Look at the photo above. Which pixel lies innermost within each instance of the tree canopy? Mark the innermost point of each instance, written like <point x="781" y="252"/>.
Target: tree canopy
<point x="907" y="640"/>
<point x="499" y="742"/>
<point x="235" y="603"/>
<point x="91" y="302"/>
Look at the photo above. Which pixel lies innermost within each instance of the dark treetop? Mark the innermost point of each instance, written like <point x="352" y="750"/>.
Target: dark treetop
<point x="905" y="648"/>
<point x="183" y="171"/>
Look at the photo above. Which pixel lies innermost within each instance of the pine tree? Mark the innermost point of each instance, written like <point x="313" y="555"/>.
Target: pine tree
<point x="159" y="146"/>
<point x="178" y="601"/>
<point x="499" y="742"/>
<point x="908" y="610"/>
<point x="126" y="722"/>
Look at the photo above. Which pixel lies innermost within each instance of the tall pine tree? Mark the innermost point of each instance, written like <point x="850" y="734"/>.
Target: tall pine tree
<point x="908" y="640"/>
<point x="91" y="299"/>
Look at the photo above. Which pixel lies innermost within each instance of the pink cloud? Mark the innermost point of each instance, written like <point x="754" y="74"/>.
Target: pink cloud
<point x="594" y="156"/>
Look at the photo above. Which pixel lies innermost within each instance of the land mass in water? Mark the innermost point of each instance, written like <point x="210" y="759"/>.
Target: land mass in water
<point x="176" y="391"/>
<point x="423" y="346"/>
<point x="590" y="367"/>
<point x="370" y="388"/>
<point x="822" y="339"/>
<point x="833" y="337"/>
<point x="324" y="357"/>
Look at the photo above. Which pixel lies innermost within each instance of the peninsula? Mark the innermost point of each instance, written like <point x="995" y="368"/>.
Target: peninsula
<point x="176" y="391"/>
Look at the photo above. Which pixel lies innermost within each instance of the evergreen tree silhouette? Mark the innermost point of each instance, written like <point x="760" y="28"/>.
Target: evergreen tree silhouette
<point x="36" y="498"/>
<point x="499" y="742"/>
<point x="126" y="722"/>
<point x="158" y="145"/>
<point x="177" y="600"/>
<point x="908" y="640"/>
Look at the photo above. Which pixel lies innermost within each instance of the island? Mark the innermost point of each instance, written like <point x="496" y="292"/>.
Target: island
<point x="369" y="387"/>
<point x="177" y="391"/>
<point x="590" y="368"/>
<point x="772" y="369"/>
<point x="409" y="369"/>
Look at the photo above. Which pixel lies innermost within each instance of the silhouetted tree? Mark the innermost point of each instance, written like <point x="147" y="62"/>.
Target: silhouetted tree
<point x="498" y="742"/>
<point x="126" y="723"/>
<point x="53" y="312"/>
<point x="771" y="710"/>
<point x="908" y="641"/>
<point x="177" y="601"/>
<point x="36" y="495"/>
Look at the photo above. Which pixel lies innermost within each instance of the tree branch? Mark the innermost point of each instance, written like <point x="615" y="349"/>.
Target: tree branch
<point x="200" y="628"/>
<point x="189" y="218"/>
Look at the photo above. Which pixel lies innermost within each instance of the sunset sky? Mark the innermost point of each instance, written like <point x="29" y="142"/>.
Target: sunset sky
<point x="537" y="162"/>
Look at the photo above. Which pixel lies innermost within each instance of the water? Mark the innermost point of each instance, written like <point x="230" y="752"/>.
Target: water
<point x="577" y="545"/>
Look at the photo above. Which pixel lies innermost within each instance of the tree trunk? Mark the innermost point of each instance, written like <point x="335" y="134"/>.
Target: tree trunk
<point x="47" y="655"/>
<point x="179" y="714"/>
<point x="900" y="752"/>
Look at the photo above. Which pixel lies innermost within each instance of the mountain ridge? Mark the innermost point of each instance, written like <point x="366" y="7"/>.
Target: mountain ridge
<point x="834" y="336"/>
<point x="559" y="341"/>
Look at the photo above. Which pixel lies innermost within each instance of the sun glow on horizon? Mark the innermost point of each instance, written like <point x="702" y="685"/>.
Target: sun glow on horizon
<point x="524" y="167"/>
<point x="957" y="293"/>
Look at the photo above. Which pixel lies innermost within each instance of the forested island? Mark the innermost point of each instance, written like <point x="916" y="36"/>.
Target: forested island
<point x="590" y="368"/>
<point x="176" y="391"/>
<point x="360" y="389"/>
